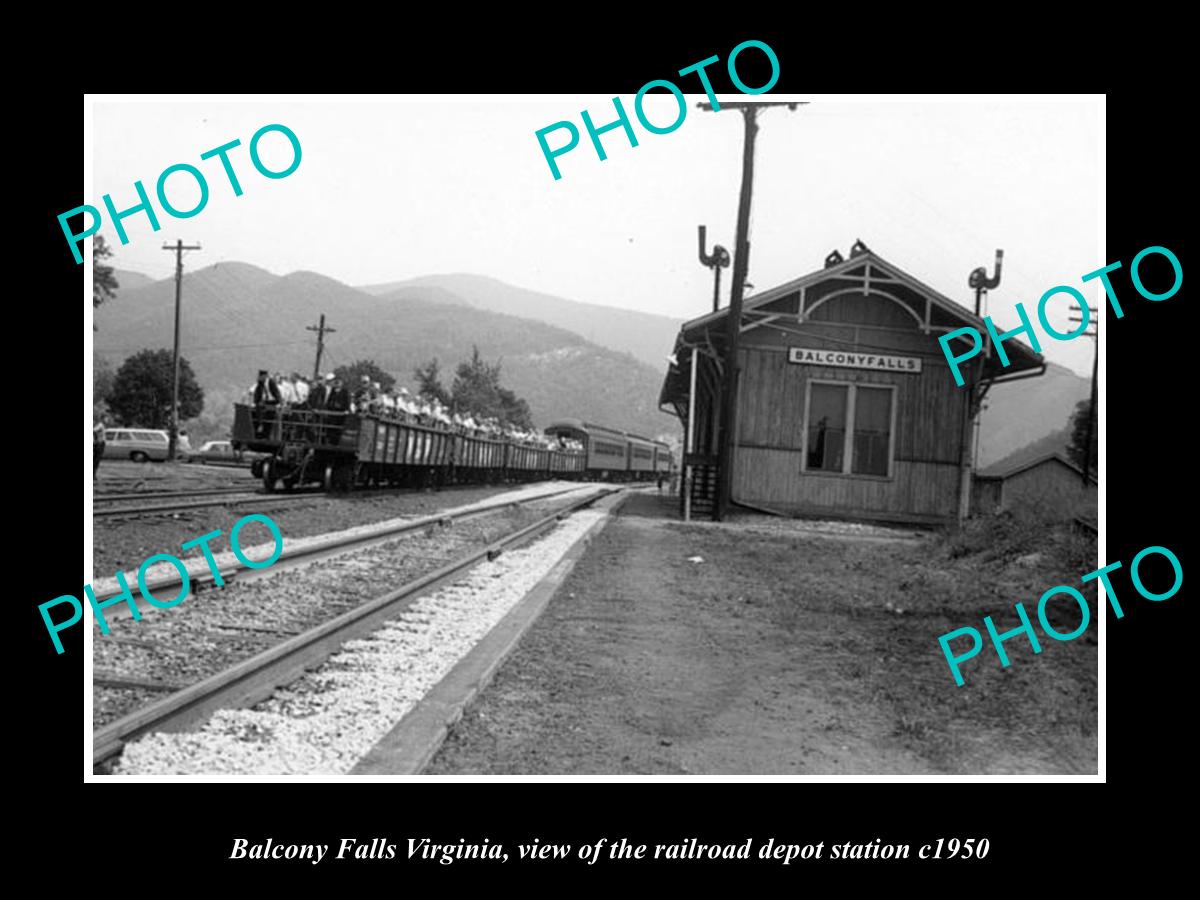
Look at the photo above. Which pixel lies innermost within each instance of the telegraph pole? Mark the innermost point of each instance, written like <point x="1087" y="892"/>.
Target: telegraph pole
<point x="737" y="289"/>
<point x="321" y="331"/>
<point x="1093" y="413"/>
<point x="178" y="249"/>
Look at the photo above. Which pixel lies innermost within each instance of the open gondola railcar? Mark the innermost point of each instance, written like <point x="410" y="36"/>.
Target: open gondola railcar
<point x="341" y="450"/>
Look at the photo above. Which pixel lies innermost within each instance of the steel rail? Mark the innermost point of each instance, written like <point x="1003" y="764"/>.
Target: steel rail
<point x="119" y="496"/>
<point x="202" y="504"/>
<point x="227" y="498"/>
<point x="253" y="680"/>
<point x="309" y="552"/>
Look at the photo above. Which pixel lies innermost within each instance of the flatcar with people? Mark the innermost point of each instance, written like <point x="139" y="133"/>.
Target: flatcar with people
<point x="343" y="450"/>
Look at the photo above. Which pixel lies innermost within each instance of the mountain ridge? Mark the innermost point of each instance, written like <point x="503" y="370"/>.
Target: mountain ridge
<point x="647" y="336"/>
<point x="238" y="318"/>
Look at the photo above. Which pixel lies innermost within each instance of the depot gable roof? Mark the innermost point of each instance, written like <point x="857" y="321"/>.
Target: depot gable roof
<point x="867" y="272"/>
<point x="867" y="268"/>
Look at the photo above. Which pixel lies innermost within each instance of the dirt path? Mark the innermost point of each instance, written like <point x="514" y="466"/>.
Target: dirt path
<point x="772" y="656"/>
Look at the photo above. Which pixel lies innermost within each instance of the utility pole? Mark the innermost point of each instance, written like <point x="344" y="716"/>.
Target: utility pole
<point x="178" y="249"/>
<point x="1093" y="413"/>
<point x="737" y="289"/>
<point x="321" y="331"/>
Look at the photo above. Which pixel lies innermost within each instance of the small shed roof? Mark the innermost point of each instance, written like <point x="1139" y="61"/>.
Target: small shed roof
<point x="1023" y="460"/>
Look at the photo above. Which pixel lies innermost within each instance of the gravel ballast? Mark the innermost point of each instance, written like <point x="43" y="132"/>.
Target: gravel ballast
<point x="217" y="628"/>
<point x="326" y="721"/>
<point x="123" y="543"/>
<point x="313" y="529"/>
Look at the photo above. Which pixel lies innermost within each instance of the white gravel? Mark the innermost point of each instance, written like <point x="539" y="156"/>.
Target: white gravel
<point x="767" y="525"/>
<point x="196" y="564"/>
<point x="330" y="718"/>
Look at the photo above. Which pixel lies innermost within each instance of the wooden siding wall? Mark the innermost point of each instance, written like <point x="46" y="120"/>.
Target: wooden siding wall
<point x="919" y="492"/>
<point x="985" y="496"/>
<point x="1052" y="486"/>
<point x="771" y="405"/>
<point x="928" y="420"/>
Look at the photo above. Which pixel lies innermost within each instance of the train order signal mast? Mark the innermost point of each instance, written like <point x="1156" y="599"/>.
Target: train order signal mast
<point x="981" y="283"/>
<point x="717" y="260"/>
<point x="737" y="289"/>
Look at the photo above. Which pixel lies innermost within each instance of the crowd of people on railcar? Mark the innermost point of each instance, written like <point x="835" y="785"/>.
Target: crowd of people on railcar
<point x="329" y="393"/>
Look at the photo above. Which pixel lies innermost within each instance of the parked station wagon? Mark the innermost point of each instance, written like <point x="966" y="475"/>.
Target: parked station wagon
<point x="138" y="444"/>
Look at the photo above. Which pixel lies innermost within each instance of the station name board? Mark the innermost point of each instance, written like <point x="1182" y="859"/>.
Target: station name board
<point x="853" y="360"/>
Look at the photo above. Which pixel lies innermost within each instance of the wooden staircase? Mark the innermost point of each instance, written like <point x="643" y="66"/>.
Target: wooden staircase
<point x="703" y="486"/>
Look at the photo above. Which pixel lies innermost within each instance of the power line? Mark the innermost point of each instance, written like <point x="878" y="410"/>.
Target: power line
<point x="741" y="265"/>
<point x="178" y="250"/>
<point x="321" y="330"/>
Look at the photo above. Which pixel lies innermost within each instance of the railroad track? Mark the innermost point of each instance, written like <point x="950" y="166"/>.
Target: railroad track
<point x="255" y="679"/>
<point x="311" y="551"/>
<point x="231" y="499"/>
<point x="118" y="496"/>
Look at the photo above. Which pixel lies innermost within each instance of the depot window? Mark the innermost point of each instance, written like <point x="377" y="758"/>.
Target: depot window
<point x="849" y="428"/>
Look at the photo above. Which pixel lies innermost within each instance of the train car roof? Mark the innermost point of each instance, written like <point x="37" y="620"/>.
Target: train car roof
<point x="576" y="424"/>
<point x="649" y="440"/>
<point x="585" y="427"/>
<point x="594" y="427"/>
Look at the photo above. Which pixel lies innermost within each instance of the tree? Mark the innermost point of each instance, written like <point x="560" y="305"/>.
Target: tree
<point x="429" y="382"/>
<point x="352" y="374"/>
<point x="1079" y="433"/>
<point x="141" y="392"/>
<point x="103" y="376"/>
<point x="477" y="391"/>
<point x="475" y="386"/>
<point x="104" y="283"/>
<point x="514" y="409"/>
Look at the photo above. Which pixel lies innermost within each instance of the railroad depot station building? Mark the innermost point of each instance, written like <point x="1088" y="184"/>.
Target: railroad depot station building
<point x="846" y="405"/>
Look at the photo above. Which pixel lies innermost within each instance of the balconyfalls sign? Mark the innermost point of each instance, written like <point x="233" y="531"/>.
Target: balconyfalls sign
<point x="850" y="360"/>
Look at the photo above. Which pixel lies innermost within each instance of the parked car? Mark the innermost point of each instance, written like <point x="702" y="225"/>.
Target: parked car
<point x="138" y="444"/>
<point x="217" y="451"/>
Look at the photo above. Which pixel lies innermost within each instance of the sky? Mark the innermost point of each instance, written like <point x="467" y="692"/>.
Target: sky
<point x="396" y="188"/>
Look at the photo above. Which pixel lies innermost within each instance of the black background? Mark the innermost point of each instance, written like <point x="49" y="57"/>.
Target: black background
<point x="1061" y="830"/>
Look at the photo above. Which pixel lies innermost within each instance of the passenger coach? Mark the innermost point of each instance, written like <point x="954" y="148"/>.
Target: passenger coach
<point x="615" y="455"/>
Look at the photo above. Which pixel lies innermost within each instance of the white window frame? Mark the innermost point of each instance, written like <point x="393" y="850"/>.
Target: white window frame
<point x="851" y="427"/>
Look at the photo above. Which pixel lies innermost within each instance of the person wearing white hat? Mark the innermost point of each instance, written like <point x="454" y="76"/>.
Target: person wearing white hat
<point x="300" y="386"/>
<point x="287" y="391"/>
